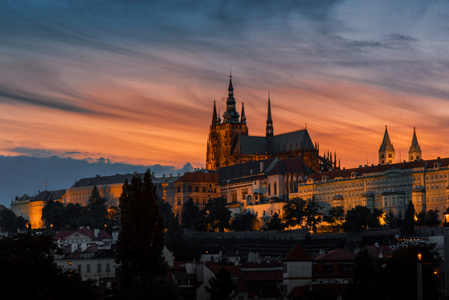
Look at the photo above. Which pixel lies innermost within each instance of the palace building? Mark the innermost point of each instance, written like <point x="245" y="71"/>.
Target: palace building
<point x="386" y="186"/>
<point x="229" y="142"/>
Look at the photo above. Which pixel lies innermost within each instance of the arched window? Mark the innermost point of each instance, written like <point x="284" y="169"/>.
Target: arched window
<point x="269" y="189"/>
<point x="275" y="188"/>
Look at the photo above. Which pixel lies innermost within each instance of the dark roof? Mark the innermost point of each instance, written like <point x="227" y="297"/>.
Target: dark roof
<point x="244" y="172"/>
<point x="291" y="165"/>
<point x="49" y="195"/>
<point x="2" y="207"/>
<point x="297" y="254"/>
<point x="199" y="177"/>
<point x="336" y="255"/>
<point x="426" y="164"/>
<point x="296" y="140"/>
<point x="105" y="180"/>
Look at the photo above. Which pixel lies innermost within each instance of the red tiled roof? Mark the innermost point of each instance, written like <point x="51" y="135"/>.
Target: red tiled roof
<point x="297" y="254"/>
<point x="199" y="177"/>
<point x="275" y="275"/>
<point x="337" y="254"/>
<point x="298" y="291"/>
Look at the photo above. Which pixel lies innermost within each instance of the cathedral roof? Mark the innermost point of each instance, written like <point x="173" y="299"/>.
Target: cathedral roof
<point x="296" y="140"/>
<point x="246" y="172"/>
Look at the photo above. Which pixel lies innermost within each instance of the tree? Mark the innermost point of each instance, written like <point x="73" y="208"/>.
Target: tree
<point x="421" y="219"/>
<point x="398" y="277"/>
<point x="221" y="286"/>
<point x="95" y="214"/>
<point x="141" y="239"/>
<point x="192" y="216"/>
<point x="54" y="215"/>
<point x="336" y="217"/>
<point x="294" y="212"/>
<point x="365" y="283"/>
<point x="357" y="219"/>
<point x="245" y="222"/>
<point x="313" y="214"/>
<point x="374" y="218"/>
<point x="275" y="223"/>
<point x="432" y="218"/>
<point x="390" y="219"/>
<point x="170" y="220"/>
<point x="217" y="214"/>
<point x="10" y="222"/>
<point x="408" y="225"/>
<point x="73" y="212"/>
<point x="27" y="258"/>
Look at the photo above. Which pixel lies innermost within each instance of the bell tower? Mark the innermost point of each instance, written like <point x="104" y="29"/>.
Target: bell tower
<point x="386" y="150"/>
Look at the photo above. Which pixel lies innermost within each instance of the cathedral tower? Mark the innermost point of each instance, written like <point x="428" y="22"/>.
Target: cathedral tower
<point x="269" y="130"/>
<point x="223" y="135"/>
<point x="386" y="150"/>
<point x="414" y="153"/>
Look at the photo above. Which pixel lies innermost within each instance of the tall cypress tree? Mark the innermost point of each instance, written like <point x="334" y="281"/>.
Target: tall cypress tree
<point x="141" y="239"/>
<point x="408" y="226"/>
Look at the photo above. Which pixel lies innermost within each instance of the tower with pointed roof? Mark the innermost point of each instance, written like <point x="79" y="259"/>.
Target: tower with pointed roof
<point x="414" y="153"/>
<point x="229" y="143"/>
<point x="386" y="150"/>
<point x="269" y="130"/>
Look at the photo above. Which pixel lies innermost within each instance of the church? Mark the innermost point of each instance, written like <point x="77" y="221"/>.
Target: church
<point x="229" y="142"/>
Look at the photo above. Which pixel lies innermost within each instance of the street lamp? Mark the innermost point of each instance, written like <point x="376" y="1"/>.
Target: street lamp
<point x="419" y="275"/>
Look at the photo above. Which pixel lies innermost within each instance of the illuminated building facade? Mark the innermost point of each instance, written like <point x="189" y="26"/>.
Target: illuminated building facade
<point x="384" y="186"/>
<point x="199" y="186"/>
<point x="229" y="143"/>
<point x="30" y="208"/>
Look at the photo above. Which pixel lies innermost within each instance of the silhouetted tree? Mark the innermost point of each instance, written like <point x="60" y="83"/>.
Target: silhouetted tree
<point x="10" y="222"/>
<point x="374" y="218"/>
<point x="357" y="219"/>
<point x="408" y="225"/>
<point x="95" y="213"/>
<point x="313" y="214"/>
<point x="390" y="219"/>
<point x="170" y="220"/>
<point x="335" y="217"/>
<point x="54" y="215"/>
<point x="192" y="216"/>
<point x="275" y="223"/>
<point x="141" y="241"/>
<point x="294" y="212"/>
<point x="365" y="283"/>
<point x="26" y="258"/>
<point x="244" y="222"/>
<point x="217" y="214"/>
<point x="221" y="286"/>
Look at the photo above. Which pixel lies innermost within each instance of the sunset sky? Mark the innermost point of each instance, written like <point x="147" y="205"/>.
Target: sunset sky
<point x="134" y="81"/>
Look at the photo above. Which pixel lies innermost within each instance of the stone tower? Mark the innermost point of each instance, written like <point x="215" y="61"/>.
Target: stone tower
<point x="386" y="150"/>
<point x="414" y="153"/>
<point x="223" y="135"/>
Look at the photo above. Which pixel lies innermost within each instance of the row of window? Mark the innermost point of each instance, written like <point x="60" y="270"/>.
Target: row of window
<point x="88" y="270"/>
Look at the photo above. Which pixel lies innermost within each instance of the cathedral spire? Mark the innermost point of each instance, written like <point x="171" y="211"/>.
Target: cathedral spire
<point x="414" y="153"/>
<point x="231" y="115"/>
<point x="386" y="150"/>
<point x="242" y="117"/>
<point x="269" y="132"/>
<point x="214" y="115"/>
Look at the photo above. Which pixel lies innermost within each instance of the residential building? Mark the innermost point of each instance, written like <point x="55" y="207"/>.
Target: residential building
<point x="297" y="273"/>
<point x="199" y="186"/>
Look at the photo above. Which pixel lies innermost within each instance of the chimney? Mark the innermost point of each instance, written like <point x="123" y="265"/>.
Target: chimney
<point x="96" y="232"/>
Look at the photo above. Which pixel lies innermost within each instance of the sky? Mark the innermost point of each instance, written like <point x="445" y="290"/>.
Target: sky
<point x="132" y="82"/>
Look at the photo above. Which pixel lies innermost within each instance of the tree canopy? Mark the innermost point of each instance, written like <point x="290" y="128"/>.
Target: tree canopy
<point x="28" y="271"/>
<point x="221" y="286"/>
<point x="245" y="222"/>
<point x="141" y="239"/>
<point x="360" y="218"/>
<point x="10" y="222"/>
<point x="217" y="214"/>
<point x="408" y="225"/>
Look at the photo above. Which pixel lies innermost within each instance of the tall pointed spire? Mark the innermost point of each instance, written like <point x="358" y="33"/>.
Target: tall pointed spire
<point x="242" y="116"/>
<point x="414" y="153"/>
<point x="386" y="150"/>
<point x="214" y="115"/>
<point x="269" y="131"/>
<point x="231" y="115"/>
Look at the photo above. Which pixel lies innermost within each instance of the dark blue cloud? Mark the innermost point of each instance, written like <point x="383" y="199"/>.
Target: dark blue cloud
<point x="21" y="175"/>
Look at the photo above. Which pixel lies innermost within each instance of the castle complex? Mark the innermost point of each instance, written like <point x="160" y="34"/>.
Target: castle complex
<point x="229" y="143"/>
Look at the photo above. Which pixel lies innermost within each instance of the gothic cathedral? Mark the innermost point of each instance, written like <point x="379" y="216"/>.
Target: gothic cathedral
<point x="229" y="143"/>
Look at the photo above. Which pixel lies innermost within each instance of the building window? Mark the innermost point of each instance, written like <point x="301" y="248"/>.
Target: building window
<point x="275" y="188"/>
<point x="108" y="268"/>
<point x="204" y="189"/>
<point x="98" y="268"/>
<point x="327" y="268"/>
<point x="197" y="189"/>
<point x="79" y="269"/>
<point x="88" y="268"/>
<point x="269" y="189"/>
